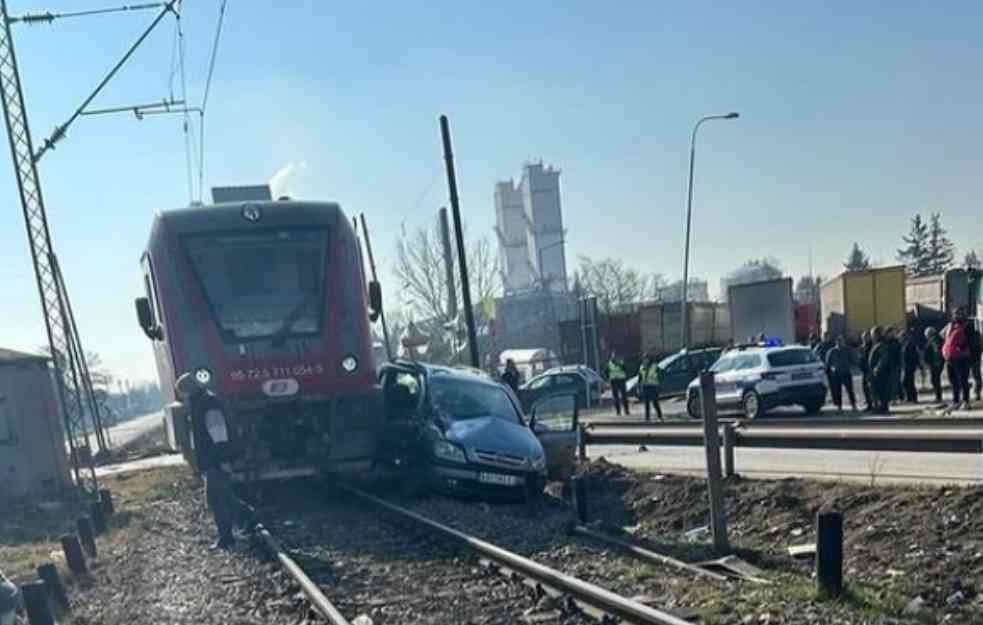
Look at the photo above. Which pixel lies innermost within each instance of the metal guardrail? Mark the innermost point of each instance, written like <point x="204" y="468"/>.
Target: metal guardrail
<point x="595" y="596"/>
<point x="927" y="435"/>
<point x="811" y="422"/>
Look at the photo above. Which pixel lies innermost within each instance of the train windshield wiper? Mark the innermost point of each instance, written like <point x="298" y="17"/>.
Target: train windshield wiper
<point x="280" y="335"/>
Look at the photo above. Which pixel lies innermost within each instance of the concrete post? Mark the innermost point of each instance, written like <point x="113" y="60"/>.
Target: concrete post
<point x="48" y="573"/>
<point x="73" y="554"/>
<point x="86" y="535"/>
<point x="37" y="604"/>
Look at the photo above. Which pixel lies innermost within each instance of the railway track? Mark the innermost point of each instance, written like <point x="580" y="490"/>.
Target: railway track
<point x="404" y="563"/>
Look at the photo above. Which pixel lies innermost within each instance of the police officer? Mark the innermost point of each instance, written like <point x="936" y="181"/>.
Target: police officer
<point x="648" y="383"/>
<point x="839" y="374"/>
<point x="618" y="377"/>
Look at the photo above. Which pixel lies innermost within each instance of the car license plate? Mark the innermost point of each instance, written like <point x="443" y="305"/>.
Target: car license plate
<point x="499" y="479"/>
<point x="802" y="376"/>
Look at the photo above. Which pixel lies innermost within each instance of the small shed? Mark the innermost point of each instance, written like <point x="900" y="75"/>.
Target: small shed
<point x="33" y="454"/>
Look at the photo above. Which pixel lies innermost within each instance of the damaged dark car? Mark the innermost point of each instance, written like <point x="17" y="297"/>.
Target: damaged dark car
<point x="452" y="431"/>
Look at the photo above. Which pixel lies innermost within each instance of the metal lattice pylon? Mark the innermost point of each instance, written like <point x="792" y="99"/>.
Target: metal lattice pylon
<point x="67" y="356"/>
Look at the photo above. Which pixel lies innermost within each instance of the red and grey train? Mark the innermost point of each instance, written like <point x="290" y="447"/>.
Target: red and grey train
<point x="266" y="305"/>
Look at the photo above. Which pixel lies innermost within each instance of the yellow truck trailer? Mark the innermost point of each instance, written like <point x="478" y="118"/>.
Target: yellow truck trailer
<point x="856" y="301"/>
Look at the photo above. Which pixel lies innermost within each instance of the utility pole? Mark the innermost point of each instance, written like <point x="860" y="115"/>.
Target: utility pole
<point x="445" y="236"/>
<point x="375" y="278"/>
<point x="462" y="260"/>
<point x="67" y="355"/>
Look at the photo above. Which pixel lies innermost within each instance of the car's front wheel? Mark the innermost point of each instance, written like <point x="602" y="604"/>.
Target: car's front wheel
<point x="751" y="405"/>
<point x="813" y="407"/>
<point x="693" y="407"/>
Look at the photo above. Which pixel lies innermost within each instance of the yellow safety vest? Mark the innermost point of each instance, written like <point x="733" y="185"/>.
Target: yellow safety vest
<point x="616" y="370"/>
<point x="650" y="375"/>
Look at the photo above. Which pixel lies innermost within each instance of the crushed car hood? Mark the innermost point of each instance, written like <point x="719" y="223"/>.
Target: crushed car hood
<point x="494" y="434"/>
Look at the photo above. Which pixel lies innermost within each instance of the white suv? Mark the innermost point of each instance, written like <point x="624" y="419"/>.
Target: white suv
<point x="758" y="378"/>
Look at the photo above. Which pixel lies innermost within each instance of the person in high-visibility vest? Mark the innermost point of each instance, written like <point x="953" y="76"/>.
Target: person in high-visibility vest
<point x="648" y="385"/>
<point x="618" y="378"/>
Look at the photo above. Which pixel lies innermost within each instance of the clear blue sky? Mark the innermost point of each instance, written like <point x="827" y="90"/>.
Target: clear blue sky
<point x="852" y="119"/>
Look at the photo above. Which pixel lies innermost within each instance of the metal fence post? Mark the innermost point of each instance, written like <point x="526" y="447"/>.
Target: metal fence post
<point x="711" y="443"/>
<point x="829" y="554"/>
<point x="730" y="441"/>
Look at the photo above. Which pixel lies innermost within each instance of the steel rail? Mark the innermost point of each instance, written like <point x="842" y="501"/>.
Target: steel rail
<point x="647" y="554"/>
<point x="605" y="600"/>
<point x="319" y="602"/>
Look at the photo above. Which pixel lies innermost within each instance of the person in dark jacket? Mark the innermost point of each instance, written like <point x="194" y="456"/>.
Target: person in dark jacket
<point x="890" y="339"/>
<point x="975" y="354"/>
<point x="839" y="374"/>
<point x="648" y="383"/>
<point x="880" y="370"/>
<point x="934" y="360"/>
<point x="867" y="381"/>
<point x="911" y="362"/>
<point x="511" y="375"/>
<point x="823" y="347"/>
<point x="211" y="437"/>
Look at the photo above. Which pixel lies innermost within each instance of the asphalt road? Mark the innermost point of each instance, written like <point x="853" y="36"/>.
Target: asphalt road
<point x="860" y="466"/>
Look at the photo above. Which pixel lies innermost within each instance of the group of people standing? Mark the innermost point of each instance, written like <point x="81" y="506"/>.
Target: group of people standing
<point x="890" y="363"/>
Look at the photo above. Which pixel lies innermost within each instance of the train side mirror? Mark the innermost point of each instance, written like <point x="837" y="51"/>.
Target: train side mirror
<point x="375" y="300"/>
<point x="146" y="318"/>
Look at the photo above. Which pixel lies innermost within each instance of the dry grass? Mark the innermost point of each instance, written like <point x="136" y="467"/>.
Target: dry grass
<point x="30" y="537"/>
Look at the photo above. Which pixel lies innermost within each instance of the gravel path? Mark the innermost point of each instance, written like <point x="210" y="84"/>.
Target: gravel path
<point x="369" y="564"/>
<point x="163" y="572"/>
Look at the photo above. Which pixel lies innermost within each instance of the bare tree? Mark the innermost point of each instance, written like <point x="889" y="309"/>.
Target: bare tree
<point x="422" y="273"/>
<point x="611" y="282"/>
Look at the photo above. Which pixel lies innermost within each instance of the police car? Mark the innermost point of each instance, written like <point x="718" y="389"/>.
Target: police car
<point x="757" y="378"/>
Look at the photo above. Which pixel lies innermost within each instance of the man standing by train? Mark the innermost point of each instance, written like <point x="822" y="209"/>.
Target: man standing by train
<point x="618" y="378"/>
<point x="211" y="436"/>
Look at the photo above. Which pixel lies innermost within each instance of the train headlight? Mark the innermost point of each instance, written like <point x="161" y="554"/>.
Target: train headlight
<point x="203" y="376"/>
<point x="349" y="364"/>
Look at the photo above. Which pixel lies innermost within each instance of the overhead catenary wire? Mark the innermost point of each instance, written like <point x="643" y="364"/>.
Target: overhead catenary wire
<point x="60" y="131"/>
<point x="204" y="99"/>
<point x="48" y="16"/>
<point x="186" y="122"/>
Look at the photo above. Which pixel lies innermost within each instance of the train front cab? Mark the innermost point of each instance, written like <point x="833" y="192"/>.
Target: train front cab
<point x="266" y="307"/>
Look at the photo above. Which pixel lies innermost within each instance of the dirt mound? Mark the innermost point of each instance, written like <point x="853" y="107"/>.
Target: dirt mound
<point x="902" y="544"/>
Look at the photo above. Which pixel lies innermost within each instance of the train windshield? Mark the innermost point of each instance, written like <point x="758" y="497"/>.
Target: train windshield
<point x="262" y="284"/>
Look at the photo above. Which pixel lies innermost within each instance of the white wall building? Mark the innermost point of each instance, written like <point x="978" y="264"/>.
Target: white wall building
<point x="529" y="225"/>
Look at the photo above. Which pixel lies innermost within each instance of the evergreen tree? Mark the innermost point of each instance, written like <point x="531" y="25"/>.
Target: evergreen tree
<point x="915" y="254"/>
<point x="972" y="261"/>
<point x="857" y="260"/>
<point x="941" y="251"/>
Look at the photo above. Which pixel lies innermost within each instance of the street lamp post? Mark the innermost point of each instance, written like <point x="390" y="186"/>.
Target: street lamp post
<point x="689" y="220"/>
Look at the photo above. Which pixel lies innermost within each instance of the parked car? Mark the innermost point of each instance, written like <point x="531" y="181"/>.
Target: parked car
<point x="678" y="370"/>
<point x="454" y="431"/>
<point x="579" y="380"/>
<point x="758" y="378"/>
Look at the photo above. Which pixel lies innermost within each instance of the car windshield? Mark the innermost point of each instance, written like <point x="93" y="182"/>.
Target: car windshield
<point x="792" y="357"/>
<point x="261" y="284"/>
<point x="668" y="360"/>
<point x="457" y="399"/>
